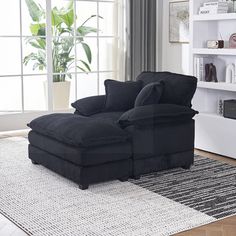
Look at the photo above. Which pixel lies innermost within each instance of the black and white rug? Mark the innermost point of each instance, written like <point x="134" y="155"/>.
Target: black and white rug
<point x="45" y="204"/>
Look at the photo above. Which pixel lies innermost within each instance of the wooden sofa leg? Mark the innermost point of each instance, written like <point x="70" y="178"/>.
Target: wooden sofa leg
<point x="83" y="186"/>
<point x="136" y="177"/>
<point x="34" y="162"/>
<point x="187" y="166"/>
<point x="124" y="179"/>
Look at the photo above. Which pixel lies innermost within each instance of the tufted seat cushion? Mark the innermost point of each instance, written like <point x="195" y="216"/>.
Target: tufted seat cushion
<point x="79" y="131"/>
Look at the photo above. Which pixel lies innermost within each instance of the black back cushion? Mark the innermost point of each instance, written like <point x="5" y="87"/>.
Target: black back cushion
<point x="178" y="89"/>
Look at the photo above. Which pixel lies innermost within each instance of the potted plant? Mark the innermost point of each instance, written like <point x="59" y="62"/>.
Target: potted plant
<point x="63" y="43"/>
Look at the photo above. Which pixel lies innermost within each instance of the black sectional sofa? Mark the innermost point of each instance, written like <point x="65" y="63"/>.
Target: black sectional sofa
<point x="136" y="128"/>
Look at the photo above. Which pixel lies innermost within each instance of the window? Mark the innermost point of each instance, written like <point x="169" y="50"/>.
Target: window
<point x="84" y="38"/>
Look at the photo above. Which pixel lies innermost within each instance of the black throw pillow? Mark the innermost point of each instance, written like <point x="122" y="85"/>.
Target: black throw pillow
<point x="150" y="94"/>
<point x="90" y="105"/>
<point x="120" y="96"/>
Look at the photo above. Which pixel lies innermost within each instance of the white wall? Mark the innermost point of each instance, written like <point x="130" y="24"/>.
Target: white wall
<point x="175" y="56"/>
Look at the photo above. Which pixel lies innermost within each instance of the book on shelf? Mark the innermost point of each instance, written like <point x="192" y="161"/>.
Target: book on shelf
<point x="199" y="67"/>
<point x="215" y="4"/>
<point x="214" y="8"/>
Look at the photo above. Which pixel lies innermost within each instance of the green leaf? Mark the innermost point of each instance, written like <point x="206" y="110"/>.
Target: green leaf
<point x="42" y="54"/>
<point x="28" y="58"/>
<point x="38" y="29"/>
<point x="35" y="45"/>
<point x="70" y="5"/>
<point x="38" y="58"/>
<point x="67" y="44"/>
<point x="64" y="56"/>
<point x="68" y="17"/>
<point x="82" y="69"/>
<point x="87" y="52"/>
<point x="86" y="65"/>
<point x="38" y="43"/>
<point x="42" y="30"/>
<point x="92" y="16"/>
<point x="84" y="30"/>
<point x="66" y="30"/>
<point x="56" y="19"/>
<point x="34" y="29"/>
<point x="42" y="43"/>
<point x="35" y="11"/>
<point x="35" y="66"/>
<point x="70" y="76"/>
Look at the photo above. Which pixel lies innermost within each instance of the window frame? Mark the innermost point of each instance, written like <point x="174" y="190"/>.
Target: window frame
<point x="49" y="70"/>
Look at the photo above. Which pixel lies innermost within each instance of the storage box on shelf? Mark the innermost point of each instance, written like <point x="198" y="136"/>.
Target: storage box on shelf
<point x="214" y="133"/>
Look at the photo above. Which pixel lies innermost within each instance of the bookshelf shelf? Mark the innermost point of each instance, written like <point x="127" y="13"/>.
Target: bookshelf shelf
<point x="221" y="51"/>
<point x="212" y="115"/>
<point x="215" y="17"/>
<point x="217" y="86"/>
<point x="216" y="117"/>
<point x="213" y="132"/>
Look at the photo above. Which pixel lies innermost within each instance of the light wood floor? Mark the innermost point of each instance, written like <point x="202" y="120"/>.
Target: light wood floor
<point x="226" y="227"/>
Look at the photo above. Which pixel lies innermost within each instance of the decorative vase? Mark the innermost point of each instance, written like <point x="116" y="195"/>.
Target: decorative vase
<point x="230" y="74"/>
<point x="232" y="41"/>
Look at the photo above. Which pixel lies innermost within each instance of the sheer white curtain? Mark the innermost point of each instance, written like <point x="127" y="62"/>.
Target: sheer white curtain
<point x="121" y="49"/>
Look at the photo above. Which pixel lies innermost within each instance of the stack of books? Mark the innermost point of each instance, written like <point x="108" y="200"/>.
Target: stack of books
<point x="199" y="67"/>
<point x="216" y="7"/>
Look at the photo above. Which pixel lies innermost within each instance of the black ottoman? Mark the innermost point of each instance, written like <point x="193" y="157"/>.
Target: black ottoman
<point x="83" y="149"/>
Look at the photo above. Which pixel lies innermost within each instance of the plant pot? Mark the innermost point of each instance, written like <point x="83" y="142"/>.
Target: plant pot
<point x="61" y="95"/>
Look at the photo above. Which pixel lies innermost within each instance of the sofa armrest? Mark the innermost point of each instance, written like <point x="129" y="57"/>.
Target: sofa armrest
<point x="90" y="105"/>
<point x="155" y="114"/>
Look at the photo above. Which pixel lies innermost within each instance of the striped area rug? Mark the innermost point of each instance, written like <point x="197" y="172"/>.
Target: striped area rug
<point x="164" y="203"/>
<point x="209" y="187"/>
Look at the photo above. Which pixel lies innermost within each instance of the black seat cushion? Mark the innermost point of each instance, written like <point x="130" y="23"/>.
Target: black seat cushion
<point x="178" y="89"/>
<point x="78" y="130"/>
<point x="108" y="116"/>
<point x="150" y="94"/>
<point x="120" y="96"/>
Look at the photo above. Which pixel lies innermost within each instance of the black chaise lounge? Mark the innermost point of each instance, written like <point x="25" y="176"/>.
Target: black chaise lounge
<point x="136" y="128"/>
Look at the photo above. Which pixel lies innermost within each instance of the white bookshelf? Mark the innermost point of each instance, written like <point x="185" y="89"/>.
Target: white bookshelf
<point x="221" y="86"/>
<point x="217" y="17"/>
<point x="214" y="133"/>
<point x="220" y="51"/>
